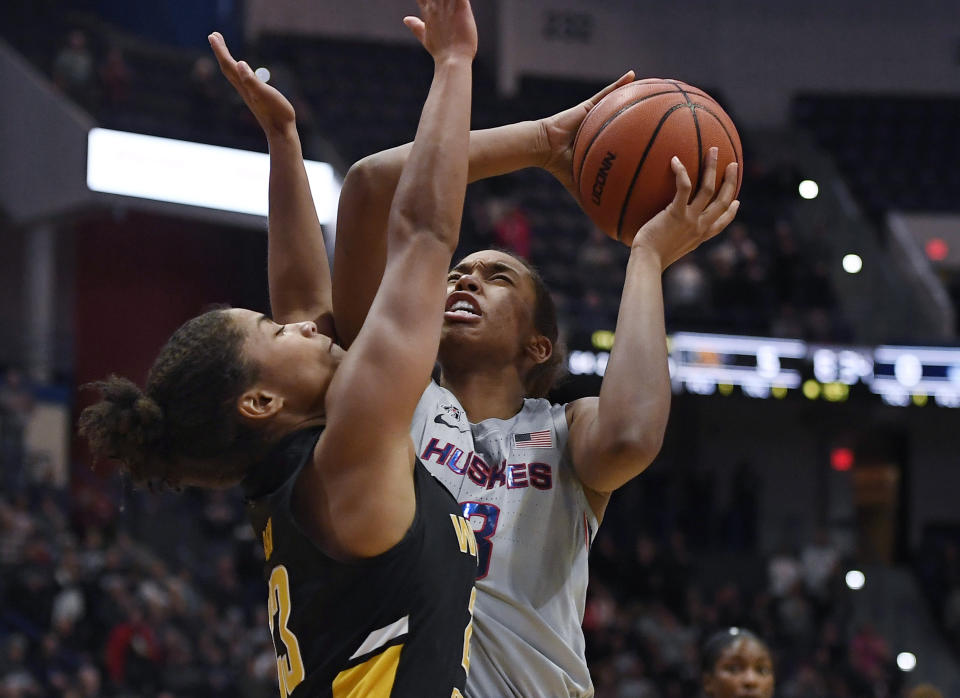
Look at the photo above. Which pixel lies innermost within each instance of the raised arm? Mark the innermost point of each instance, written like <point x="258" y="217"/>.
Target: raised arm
<point x="365" y="453"/>
<point x="369" y="186"/>
<point x="297" y="268"/>
<point x="616" y="436"/>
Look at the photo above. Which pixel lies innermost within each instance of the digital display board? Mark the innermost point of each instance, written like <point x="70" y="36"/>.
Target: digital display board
<point x="764" y="367"/>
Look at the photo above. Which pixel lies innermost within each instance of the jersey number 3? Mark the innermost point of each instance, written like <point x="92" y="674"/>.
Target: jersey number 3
<point x="489" y="513"/>
<point x="289" y="662"/>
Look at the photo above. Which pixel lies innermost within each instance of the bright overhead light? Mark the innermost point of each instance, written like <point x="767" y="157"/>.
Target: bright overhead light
<point x="907" y="661"/>
<point x="855" y="579"/>
<point x="808" y="189"/>
<point x="852" y="263"/>
<point x="194" y="174"/>
<point x="263" y="73"/>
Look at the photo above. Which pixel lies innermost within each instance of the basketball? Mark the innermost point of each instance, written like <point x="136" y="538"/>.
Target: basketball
<point x="622" y="151"/>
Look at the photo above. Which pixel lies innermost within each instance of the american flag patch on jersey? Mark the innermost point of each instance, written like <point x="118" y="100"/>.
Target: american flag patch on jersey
<point x="535" y="439"/>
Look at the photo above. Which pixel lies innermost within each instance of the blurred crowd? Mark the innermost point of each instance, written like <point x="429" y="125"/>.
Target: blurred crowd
<point x="90" y="611"/>
<point x="758" y="277"/>
<point x="651" y="605"/>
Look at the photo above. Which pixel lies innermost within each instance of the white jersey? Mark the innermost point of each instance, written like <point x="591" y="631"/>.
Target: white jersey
<point x="533" y="524"/>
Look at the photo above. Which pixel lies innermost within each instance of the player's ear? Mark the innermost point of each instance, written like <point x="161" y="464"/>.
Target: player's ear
<point x="259" y="404"/>
<point x="539" y="348"/>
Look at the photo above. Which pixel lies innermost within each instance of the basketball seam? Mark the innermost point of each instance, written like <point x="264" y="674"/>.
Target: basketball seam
<point x="737" y="156"/>
<point x="691" y="91"/>
<point x="646" y="151"/>
<point x="696" y="126"/>
<point x="604" y="125"/>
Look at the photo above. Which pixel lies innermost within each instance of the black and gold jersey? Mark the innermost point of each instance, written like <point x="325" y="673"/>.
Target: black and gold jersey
<point x="397" y="624"/>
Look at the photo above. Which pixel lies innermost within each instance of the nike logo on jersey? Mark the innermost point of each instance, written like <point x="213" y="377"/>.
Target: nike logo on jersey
<point x="440" y="420"/>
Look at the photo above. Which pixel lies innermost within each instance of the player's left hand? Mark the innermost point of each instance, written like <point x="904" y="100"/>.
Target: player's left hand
<point x="556" y="134"/>
<point x="682" y="227"/>
<point x="272" y="110"/>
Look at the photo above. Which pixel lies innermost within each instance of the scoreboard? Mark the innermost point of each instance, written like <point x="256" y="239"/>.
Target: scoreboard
<point x="767" y="367"/>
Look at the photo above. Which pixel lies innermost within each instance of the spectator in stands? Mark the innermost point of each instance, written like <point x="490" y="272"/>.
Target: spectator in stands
<point x="73" y="69"/>
<point x="870" y="655"/>
<point x="209" y="102"/>
<point x="511" y="229"/>
<point x="16" y="407"/>
<point x="806" y="682"/>
<point x="736" y="662"/>
<point x="15" y="679"/>
<point x="686" y="294"/>
<point x="116" y="78"/>
<point x="784" y="571"/>
<point x="819" y="561"/>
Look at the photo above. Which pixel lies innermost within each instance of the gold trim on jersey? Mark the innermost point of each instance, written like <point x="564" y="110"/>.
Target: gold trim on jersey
<point x="373" y="677"/>
<point x="268" y="539"/>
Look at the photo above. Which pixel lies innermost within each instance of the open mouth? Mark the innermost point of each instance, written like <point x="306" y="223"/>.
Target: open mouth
<point x="461" y="307"/>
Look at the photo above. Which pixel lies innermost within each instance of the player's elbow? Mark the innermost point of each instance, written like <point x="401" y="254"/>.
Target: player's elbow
<point x="360" y="180"/>
<point x="634" y="452"/>
<point x="632" y="449"/>
<point x="617" y="463"/>
<point x="376" y="174"/>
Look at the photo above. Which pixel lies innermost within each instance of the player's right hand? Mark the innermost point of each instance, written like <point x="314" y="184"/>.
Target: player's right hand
<point x="684" y="224"/>
<point x="271" y="109"/>
<point x="446" y="28"/>
<point x="556" y="135"/>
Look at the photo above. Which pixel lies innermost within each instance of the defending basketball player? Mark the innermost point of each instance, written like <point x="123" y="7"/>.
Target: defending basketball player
<point x="370" y="566"/>
<point x="533" y="477"/>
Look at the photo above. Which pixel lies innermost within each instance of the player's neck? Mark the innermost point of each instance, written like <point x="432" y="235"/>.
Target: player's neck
<point x="486" y="394"/>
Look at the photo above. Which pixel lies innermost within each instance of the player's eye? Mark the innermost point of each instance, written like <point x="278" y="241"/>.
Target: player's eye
<point x="501" y="277"/>
<point x="280" y="331"/>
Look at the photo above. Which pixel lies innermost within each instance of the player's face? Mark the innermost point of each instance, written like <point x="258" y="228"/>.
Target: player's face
<point x="294" y="361"/>
<point x="490" y="298"/>
<point x="743" y="670"/>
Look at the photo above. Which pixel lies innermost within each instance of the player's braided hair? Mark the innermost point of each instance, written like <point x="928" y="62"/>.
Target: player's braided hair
<point x="542" y="377"/>
<point x="183" y="426"/>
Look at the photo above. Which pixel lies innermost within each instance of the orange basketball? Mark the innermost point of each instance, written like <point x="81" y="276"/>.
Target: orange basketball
<point x="622" y="151"/>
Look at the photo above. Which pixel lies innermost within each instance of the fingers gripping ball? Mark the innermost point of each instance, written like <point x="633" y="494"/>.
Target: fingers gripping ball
<point x="622" y="151"/>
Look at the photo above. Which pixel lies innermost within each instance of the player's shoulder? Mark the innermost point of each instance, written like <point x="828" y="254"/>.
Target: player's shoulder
<point x="541" y="406"/>
<point x="581" y="408"/>
<point x="434" y="391"/>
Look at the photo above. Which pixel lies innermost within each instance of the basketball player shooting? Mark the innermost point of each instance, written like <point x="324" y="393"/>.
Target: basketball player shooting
<point x="533" y="477"/>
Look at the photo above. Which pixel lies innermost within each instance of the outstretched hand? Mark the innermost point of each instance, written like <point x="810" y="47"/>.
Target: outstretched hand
<point x="682" y="227"/>
<point x="272" y="110"/>
<point x="557" y="133"/>
<point x="446" y="28"/>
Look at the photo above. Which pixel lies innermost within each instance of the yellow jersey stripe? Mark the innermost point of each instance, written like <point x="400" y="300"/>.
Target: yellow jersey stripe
<point x="373" y="677"/>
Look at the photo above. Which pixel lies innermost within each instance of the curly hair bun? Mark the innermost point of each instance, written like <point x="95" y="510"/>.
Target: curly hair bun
<point x="125" y="425"/>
